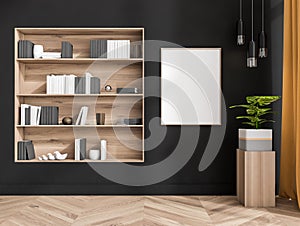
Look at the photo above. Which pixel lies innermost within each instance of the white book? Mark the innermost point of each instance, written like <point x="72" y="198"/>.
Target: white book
<point x="23" y="107"/>
<point x="33" y="115"/>
<point x="118" y="48"/>
<point x="88" y="77"/>
<point x="103" y="145"/>
<point x="63" y="86"/>
<point x="77" y="149"/>
<point x="48" y="84"/>
<point x="127" y="49"/>
<point x="39" y="110"/>
<point x="79" y="117"/>
<point x="109" y="49"/>
<point x="72" y="84"/>
<point x="84" y="115"/>
<point x="52" y="83"/>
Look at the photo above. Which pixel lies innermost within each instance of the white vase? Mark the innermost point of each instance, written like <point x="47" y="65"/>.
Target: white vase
<point x="94" y="154"/>
<point x="103" y="149"/>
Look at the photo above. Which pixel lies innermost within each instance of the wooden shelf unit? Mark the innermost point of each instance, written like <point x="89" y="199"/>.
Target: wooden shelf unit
<point x="125" y="143"/>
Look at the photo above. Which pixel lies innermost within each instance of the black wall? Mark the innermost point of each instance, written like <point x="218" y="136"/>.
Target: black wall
<point x="190" y="23"/>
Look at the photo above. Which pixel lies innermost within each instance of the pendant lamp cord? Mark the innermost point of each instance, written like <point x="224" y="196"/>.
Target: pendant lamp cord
<point x="263" y="15"/>
<point x="252" y="18"/>
<point x="241" y="9"/>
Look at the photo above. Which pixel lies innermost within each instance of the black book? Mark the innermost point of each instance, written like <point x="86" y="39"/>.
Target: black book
<point x="30" y="153"/>
<point x="28" y="52"/>
<point x="95" y="85"/>
<point x="55" y="115"/>
<point x="92" y="48"/>
<point x="79" y="85"/>
<point x="43" y="116"/>
<point x="27" y="116"/>
<point x="20" y="46"/>
<point x="19" y="149"/>
<point x="48" y="115"/>
<point x="66" y="50"/>
<point x="104" y="49"/>
<point x="82" y="148"/>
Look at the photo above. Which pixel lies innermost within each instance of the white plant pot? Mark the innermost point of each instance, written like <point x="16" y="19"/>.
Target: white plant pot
<point x="255" y="139"/>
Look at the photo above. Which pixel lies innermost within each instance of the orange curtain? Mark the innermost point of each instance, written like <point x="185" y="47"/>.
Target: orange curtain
<point x="290" y="137"/>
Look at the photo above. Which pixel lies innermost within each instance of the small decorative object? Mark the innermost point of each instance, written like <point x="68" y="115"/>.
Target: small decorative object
<point x="67" y="121"/>
<point x="127" y="90"/>
<point x="44" y="157"/>
<point x="38" y="51"/>
<point x="50" y="156"/>
<point x="103" y="144"/>
<point x="60" y="156"/>
<point x="108" y="88"/>
<point x="100" y="118"/>
<point x="133" y="121"/>
<point x="94" y="154"/>
<point x="40" y="158"/>
<point x="256" y="139"/>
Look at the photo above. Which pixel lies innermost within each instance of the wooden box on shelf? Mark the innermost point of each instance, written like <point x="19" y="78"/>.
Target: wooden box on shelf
<point x="256" y="178"/>
<point x="30" y="88"/>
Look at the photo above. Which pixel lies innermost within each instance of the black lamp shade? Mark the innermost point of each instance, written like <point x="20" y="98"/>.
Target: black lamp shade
<point x="263" y="51"/>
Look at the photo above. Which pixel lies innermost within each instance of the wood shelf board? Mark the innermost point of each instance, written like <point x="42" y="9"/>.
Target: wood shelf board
<point x="75" y="60"/>
<point x="81" y="161"/>
<point x="81" y="95"/>
<point x="77" y="31"/>
<point x="81" y="126"/>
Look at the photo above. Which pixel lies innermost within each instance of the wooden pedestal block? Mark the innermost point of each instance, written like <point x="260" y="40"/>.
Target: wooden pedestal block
<point x="256" y="178"/>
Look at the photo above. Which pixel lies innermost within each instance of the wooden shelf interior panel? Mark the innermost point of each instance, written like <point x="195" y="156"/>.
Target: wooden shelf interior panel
<point x="32" y="78"/>
<point x="80" y="38"/>
<point x="122" y="143"/>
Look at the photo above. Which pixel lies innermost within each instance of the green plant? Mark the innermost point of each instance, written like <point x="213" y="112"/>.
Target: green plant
<point x="255" y="109"/>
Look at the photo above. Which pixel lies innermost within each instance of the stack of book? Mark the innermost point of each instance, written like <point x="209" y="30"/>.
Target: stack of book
<point x="71" y="84"/>
<point x="82" y="116"/>
<point x="87" y="84"/>
<point x="25" y="150"/>
<point x="66" y="50"/>
<point x="39" y="115"/>
<point x="80" y="149"/>
<point x="98" y="48"/>
<point x="61" y="84"/>
<point x="136" y="50"/>
<point x="25" y="49"/>
<point x="119" y="49"/>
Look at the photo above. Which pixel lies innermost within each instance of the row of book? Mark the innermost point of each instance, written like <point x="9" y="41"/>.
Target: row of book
<point x="80" y="149"/>
<point x="112" y="49"/>
<point x="39" y="115"/>
<point x="25" y="150"/>
<point x="98" y="48"/>
<point x="71" y="84"/>
<point x="25" y="49"/>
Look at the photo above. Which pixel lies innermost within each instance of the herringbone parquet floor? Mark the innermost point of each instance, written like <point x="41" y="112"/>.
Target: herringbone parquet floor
<point x="141" y="210"/>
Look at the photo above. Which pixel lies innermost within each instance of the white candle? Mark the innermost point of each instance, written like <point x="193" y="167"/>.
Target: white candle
<point x="103" y="149"/>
